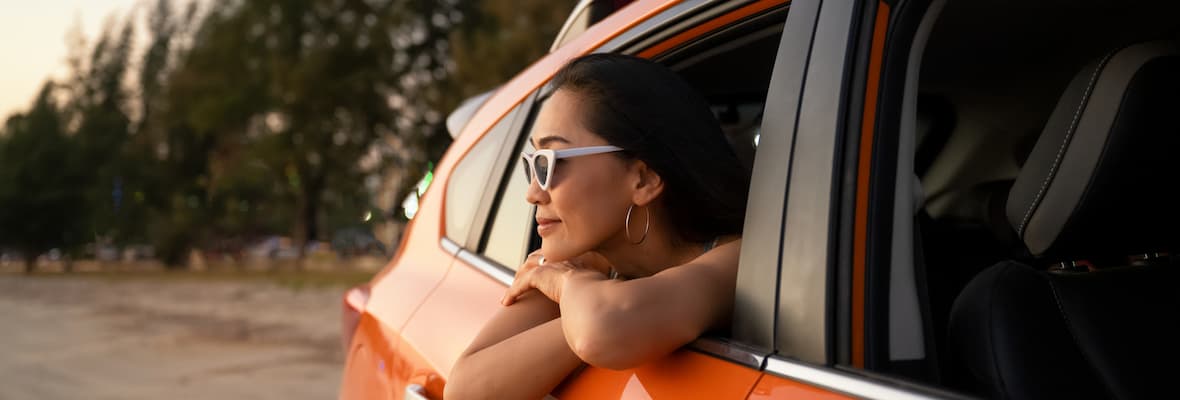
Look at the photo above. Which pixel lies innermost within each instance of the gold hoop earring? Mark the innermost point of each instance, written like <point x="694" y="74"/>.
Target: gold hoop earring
<point x="646" y="225"/>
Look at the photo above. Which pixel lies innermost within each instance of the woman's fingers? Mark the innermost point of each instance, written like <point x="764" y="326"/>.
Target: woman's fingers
<point x="538" y="273"/>
<point x="519" y="286"/>
<point x="524" y="278"/>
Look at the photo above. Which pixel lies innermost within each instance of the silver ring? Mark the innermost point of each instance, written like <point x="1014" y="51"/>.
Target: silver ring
<point x="542" y="260"/>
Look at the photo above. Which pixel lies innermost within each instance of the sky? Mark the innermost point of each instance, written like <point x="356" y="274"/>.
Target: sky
<point x="33" y="42"/>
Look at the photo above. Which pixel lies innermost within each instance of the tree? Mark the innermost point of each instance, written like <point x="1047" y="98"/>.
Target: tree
<point x="97" y="110"/>
<point x="315" y="95"/>
<point x="499" y="39"/>
<point x="40" y="186"/>
<point x="171" y="156"/>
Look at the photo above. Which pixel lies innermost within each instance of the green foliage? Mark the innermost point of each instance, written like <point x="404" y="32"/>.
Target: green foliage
<point x="501" y="38"/>
<point x="102" y="132"/>
<point x="40" y="182"/>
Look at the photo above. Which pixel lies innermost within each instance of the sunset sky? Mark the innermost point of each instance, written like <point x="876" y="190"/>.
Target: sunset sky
<point x="33" y="42"/>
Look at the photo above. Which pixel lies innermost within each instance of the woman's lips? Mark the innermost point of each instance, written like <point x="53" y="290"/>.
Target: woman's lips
<point x="546" y="225"/>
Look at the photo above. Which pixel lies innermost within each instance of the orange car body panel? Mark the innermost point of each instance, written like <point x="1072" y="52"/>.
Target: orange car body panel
<point x="367" y="373"/>
<point x="450" y="318"/>
<point x="682" y="375"/>
<point x="772" y="387"/>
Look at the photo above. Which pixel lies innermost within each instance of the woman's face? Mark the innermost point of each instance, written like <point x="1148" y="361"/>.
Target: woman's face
<point x="588" y="196"/>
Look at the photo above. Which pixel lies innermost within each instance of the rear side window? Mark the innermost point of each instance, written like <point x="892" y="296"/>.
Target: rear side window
<point x="507" y="241"/>
<point x="470" y="178"/>
<point x="509" y="235"/>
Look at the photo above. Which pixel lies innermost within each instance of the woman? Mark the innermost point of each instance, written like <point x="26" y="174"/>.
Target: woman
<point x="640" y="203"/>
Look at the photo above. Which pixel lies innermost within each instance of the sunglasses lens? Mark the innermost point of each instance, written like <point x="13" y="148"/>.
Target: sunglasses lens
<point x="524" y="165"/>
<point x="543" y="164"/>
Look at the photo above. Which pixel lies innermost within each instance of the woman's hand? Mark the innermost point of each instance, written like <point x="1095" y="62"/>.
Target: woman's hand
<point x="549" y="277"/>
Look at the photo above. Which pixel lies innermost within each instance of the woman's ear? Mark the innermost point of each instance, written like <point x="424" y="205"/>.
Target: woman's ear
<point x="648" y="185"/>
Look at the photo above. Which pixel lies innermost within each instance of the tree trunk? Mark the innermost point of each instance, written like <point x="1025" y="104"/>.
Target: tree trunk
<point x="30" y="262"/>
<point x="299" y="228"/>
<point x="307" y="208"/>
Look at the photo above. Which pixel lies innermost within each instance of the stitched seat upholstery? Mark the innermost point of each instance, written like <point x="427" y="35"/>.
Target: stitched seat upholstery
<point x="1098" y="186"/>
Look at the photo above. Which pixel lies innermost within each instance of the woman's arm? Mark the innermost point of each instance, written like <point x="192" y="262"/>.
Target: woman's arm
<point x="520" y="354"/>
<point x="622" y="324"/>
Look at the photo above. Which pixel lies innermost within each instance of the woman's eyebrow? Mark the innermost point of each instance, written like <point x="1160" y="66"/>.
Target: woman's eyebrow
<point x="545" y="141"/>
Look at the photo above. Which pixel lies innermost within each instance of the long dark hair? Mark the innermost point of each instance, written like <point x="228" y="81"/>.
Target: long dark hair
<point x="658" y="118"/>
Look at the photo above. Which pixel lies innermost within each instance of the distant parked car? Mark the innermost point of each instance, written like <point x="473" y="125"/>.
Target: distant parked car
<point x="355" y="242"/>
<point x="274" y="247"/>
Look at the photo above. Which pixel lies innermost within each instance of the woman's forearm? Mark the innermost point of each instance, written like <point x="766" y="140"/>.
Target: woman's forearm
<point x="621" y="324"/>
<point x="591" y="307"/>
<point x="525" y="366"/>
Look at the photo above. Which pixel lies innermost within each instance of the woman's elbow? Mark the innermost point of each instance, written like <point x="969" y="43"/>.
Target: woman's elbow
<point x="614" y="347"/>
<point x="603" y="354"/>
<point x="459" y="386"/>
<point x="453" y="390"/>
<point x="608" y="346"/>
<point x="463" y="390"/>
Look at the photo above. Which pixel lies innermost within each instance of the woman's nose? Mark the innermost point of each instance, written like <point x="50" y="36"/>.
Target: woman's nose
<point x="535" y="195"/>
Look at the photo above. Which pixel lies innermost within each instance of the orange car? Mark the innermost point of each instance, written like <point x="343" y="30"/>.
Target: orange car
<point x="947" y="200"/>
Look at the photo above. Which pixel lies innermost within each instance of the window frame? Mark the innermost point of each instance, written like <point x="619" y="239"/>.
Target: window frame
<point x="833" y="101"/>
<point x="453" y="187"/>
<point x="508" y="158"/>
<point x="483" y="215"/>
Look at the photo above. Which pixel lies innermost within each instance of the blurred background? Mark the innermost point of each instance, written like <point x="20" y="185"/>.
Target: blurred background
<point x="201" y="133"/>
<point x="203" y="171"/>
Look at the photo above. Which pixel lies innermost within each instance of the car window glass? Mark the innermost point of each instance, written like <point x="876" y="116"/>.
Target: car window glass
<point x="470" y="178"/>
<point x="507" y="242"/>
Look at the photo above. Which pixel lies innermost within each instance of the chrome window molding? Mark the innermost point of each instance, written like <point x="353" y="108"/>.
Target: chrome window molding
<point x="847" y="382"/>
<point x="730" y="351"/>
<point x="489" y="268"/>
<point x="449" y="245"/>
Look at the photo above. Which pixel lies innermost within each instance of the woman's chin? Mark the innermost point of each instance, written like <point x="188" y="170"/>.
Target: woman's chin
<point x="555" y="253"/>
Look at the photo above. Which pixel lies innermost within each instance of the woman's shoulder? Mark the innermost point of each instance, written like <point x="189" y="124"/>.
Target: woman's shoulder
<point x="722" y="250"/>
<point x="735" y="240"/>
<point x="728" y="241"/>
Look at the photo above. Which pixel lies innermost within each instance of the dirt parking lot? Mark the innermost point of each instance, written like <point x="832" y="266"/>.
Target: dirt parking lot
<point x="87" y="337"/>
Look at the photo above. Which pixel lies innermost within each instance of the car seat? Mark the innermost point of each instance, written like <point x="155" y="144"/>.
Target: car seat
<point x="1094" y="315"/>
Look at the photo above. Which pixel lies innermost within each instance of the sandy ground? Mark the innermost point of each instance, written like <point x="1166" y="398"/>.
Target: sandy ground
<point x="91" y="338"/>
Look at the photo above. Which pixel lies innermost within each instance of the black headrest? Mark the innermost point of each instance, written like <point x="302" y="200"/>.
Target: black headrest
<point x="1101" y="178"/>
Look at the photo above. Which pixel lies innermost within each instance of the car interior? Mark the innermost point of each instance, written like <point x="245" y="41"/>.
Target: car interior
<point x="1042" y="149"/>
<point x="736" y="90"/>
